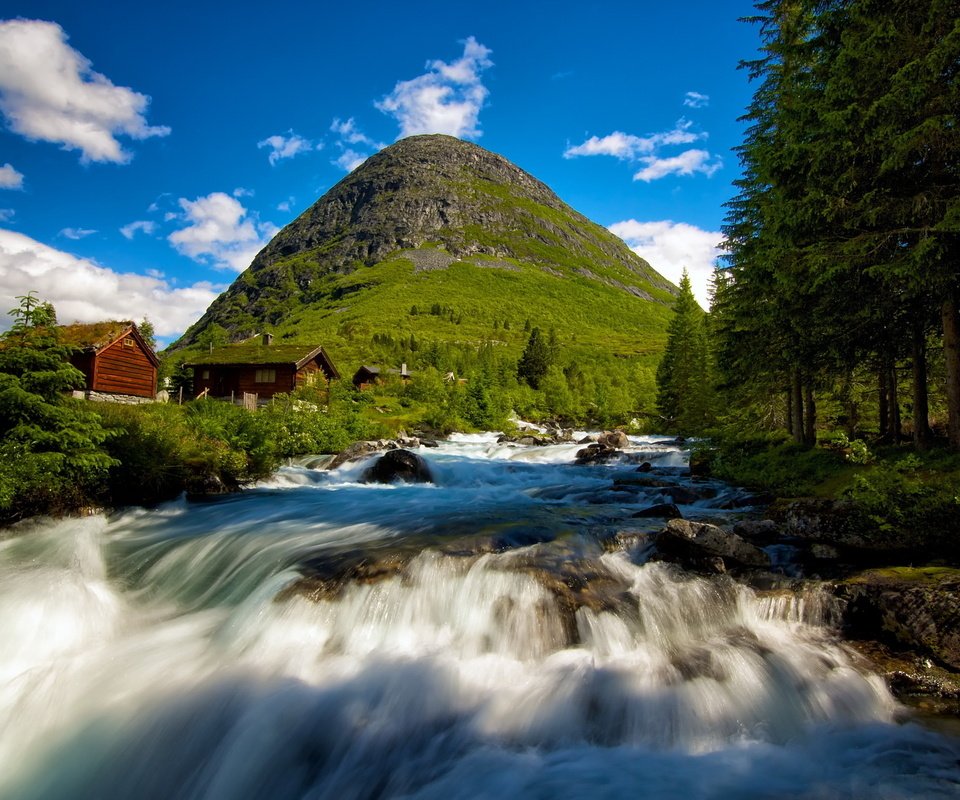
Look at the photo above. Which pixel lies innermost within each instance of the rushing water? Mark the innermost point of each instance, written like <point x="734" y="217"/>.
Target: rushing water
<point x="245" y="648"/>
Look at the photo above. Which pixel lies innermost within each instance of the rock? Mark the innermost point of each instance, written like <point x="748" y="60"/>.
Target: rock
<point x="646" y="466"/>
<point x="697" y="544"/>
<point x="398" y="465"/>
<point x="913" y="608"/>
<point x="763" y="530"/>
<point x="354" y="452"/>
<point x="663" y="510"/>
<point x="824" y="552"/>
<point x="429" y="443"/>
<point x="207" y="486"/>
<point x="685" y="495"/>
<point x="699" y="464"/>
<point x="590" y="438"/>
<point x="597" y="454"/>
<point x="616" y="440"/>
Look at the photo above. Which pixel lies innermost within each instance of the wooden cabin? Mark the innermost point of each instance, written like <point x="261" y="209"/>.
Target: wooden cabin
<point x="114" y="358"/>
<point x="260" y="368"/>
<point x="366" y="376"/>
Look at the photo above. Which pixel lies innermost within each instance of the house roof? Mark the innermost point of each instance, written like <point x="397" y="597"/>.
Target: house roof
<point x="296" y="355"/>
<point x="95" y="336"/>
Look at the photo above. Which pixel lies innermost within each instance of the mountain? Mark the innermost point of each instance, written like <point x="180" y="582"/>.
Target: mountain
<point x="441" y="239"/>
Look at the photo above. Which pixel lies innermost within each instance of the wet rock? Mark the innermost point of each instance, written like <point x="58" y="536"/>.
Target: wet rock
<point x="824" y="552"/>
<point x="205" y="487"/>
<point x="838" y="523"/>
<point x="765" y="531"/>
<point x="590" y="438"/>
<point x="354" y="452"/>
<point x="645" y="481"/>
<point x="646" y="466"/>
<point x="398" y="465"/>
<point x="915" y="609"/>
<point x="616" y="440"/>
<point x="663" y="510"/>
<point x="699" y="464"/>
<point x="685" y="495"/>
<point x="325" y="579"/>
<point x="597" y="454"/>
<point x="697" y="545"/>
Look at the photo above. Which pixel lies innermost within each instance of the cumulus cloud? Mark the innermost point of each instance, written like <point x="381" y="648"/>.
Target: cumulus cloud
<point x="76" y="233"/>
<point x="349" y="160"/>
<point x="445" y="99"/>
<point x="627" y="147"/>
<point x="648" y="151"/>
<point x="49" y="92"/>
<point x="696" y="100"/>
<point x="83" y="291"/>
<point x="220" y="232"/>
<point x="348" y="133"/>
<point x="287" y="146"/>
<point x="10" y="178"/>
<point x="670" y="247"/>
<point x="139" y="226"/>
<point x="687" y="163"/>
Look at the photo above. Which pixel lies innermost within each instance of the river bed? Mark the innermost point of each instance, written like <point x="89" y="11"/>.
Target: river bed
<point x="498" y="633"/>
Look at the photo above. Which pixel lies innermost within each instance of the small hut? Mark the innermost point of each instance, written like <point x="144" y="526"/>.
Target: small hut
<point x="260" y="368"/>
<point x="114" y="358"/>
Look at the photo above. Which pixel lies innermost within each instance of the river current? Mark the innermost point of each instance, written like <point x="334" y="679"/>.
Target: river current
<point x="500" y="633"/>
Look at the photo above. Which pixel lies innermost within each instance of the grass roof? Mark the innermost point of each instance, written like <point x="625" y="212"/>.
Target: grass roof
<point x="94" y="335"/>
<point x="254" y="354"/>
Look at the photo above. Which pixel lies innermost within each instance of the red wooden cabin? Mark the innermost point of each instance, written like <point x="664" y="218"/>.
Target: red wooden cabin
<point x="113" y="357"/>
<point x="262" y="368"/>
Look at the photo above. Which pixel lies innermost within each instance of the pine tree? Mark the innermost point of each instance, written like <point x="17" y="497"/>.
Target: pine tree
<point x="535" y="361"/>
<point x="684" y="382"/>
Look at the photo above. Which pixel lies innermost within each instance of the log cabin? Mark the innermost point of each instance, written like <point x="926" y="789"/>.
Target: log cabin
<point x="260" y="368"/>
<point x="367" y="376"/>
<point x="114" y="359"/>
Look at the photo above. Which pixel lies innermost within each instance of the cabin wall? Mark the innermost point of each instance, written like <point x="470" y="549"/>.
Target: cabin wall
<point x="226" y="380"/>
<point x="123" y="368"/>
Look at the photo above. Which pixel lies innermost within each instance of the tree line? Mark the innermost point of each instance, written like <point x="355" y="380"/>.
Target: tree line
<point x="843" y="239"/>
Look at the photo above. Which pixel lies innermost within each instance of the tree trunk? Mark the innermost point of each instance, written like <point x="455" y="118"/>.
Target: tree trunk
<point x="796" y="389"/>
<point x="883" y="407"/>
<point x="951" y="354"/>
<point x="810" y="417"/>
<point x="790" y="412"/>
<point x="921" y="423"/>
<point x="894" y="424"/>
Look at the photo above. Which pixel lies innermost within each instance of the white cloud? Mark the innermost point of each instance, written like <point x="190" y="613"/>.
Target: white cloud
<point x="349" y="133"/>
<point x="628" y="147"/>
<point x="687" y="163"/>
<point x="6" y="214"/>
<point x="49" y="92"/>
<point x="446" y="99"/>
<point x="76" y="233"/>
<point x="140" y="225"/>
<point x="696" y="100"/>
<point x="221" y="232"/>
<point x="10" y="178"/>
<point x="287" y="204"/>
<point x="241" y="191"/>
<point x="670" y="247"/>
<point x="83" y="291"/>
<point x="287" y="146"/>
<point x="349" y="160"/>
<point x="647" y="150"/>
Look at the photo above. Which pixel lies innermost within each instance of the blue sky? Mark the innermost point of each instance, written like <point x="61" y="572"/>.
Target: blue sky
<point x="147" y="152"/>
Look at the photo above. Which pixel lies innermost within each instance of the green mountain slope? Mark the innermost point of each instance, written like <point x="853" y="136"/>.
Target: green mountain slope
<point x="436" y="224"/>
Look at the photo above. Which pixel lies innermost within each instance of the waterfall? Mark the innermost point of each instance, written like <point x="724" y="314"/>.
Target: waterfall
<point x="316" y="637"/>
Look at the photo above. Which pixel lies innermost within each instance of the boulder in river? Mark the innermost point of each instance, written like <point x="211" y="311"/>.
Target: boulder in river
<point x="698" y="544"/>
<point x="597" y="453"/>
<point x="616" y="440"/>
<point x="662" y="510"/>
<point x="398" y="465"/>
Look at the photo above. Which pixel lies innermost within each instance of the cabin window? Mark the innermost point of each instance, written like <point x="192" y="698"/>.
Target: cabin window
<point x="266" y="376"/>
<point x="311" y="379"/>
<point x="128" y="342"/>
<point x="206" y="375"/>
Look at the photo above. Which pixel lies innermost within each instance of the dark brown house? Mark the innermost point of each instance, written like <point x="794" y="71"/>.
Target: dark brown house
<point x="366" y="376"/>
<point x="114" y="358"/>
<point x="261" y="368"/>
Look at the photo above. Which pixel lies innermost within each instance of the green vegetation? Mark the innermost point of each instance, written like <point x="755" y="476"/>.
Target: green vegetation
<point x="685" y="375"/>
<point x="51" y="452"/>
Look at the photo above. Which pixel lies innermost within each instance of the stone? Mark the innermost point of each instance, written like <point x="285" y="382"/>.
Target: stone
<point x="354" y="452"/>
<point x="698" y="543"/>
<point x="398" y="465"/>
<point x="597" y="453"/>
<point x="662" y="510"/>
<point x="616" y="440"/>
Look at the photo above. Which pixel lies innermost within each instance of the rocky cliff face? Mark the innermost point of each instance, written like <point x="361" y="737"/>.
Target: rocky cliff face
<point x="433" y="200"/>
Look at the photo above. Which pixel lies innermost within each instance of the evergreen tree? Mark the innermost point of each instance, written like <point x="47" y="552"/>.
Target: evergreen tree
<point x="50" y="446"/>
<point x="535" y="361"/>
<point x="684" y="382"/>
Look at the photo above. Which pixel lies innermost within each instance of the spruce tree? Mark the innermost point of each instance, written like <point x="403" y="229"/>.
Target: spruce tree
<point x="684" y="383"/>
<point x="535" y="361"/>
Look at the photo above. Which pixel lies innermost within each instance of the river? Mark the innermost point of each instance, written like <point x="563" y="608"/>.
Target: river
<point x="316" y="637"/>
